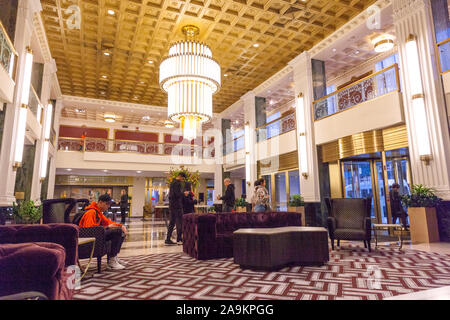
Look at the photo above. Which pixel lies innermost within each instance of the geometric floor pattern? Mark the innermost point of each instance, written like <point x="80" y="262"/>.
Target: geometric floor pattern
<point x="351" y="273"/>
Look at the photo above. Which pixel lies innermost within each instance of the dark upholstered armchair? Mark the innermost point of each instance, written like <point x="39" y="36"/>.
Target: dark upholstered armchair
<point x="58" y="210"/>
<point x="36" y="258"/>
<point x="349" y="219"/>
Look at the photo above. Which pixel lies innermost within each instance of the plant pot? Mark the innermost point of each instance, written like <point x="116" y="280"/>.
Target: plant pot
<point x="241" y="209"/>
<point x="423" y="225"/>
<point x="299" y="210"/>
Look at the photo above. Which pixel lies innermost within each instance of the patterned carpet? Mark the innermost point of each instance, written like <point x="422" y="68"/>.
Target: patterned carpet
<point x="352" y="273"/>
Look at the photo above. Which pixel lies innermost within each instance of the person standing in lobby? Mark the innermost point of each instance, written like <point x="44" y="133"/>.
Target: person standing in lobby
<point x="176" y="196"/>
<point x="396" y="205"/>
<point x="229" y="197"/>
<point x="189" y="200"/>
<point x="123" y="205"/>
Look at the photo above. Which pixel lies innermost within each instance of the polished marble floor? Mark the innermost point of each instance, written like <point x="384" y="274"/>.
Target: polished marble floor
<point x="147" y="237"/>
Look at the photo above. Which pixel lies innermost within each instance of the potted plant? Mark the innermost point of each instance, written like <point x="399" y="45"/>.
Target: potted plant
<point x="421" y="205"/>
<point x="191" y="177"/>
<point x="241" y="205"/>
<point x="26" y="212"/>
<point x="297" y="204"/>
<point x="211" y="210"/>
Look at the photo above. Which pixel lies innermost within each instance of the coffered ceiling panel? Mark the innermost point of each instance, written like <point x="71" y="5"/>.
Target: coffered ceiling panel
<point x="116" y="50"/>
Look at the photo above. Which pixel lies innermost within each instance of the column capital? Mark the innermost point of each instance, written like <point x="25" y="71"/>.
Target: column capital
<point x="404" y="8"/>
<point x="249" y="95"/>
<point x="300" y="60"/>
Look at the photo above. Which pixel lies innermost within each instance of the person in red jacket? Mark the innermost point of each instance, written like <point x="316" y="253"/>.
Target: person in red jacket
<point x="115" y="232"/>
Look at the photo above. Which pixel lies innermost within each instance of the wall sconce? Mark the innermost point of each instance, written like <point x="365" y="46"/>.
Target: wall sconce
<point x="47" y="126"/>
<point x="418" y="101"/>
<point x="22" y="121"/>
<point x="301" y="129"/>
<point x="247" y="152"/>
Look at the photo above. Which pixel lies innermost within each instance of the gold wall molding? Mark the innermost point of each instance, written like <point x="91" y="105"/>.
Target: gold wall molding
<point x="284" y="162"/>
<point x="365" y="142"/>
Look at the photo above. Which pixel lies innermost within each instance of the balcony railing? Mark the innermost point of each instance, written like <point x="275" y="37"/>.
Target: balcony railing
<point x="8" y="54"/>
<point x="443" y="49"/>
<point x="129" y="146"/>
<point x="371" y="87"/>
<point x="276" y="127"/>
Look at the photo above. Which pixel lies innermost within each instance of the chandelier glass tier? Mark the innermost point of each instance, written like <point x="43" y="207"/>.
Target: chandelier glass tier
<point x="190" y="76"/>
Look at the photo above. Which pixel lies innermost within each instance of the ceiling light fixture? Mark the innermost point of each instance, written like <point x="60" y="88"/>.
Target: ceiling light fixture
<point x="146" y="118"/>
<point x="383" y="43"/>
<point x="109" y="118"/>
<point x="190" y="76"/>
<point x="111" y="12"/>
<point x="150" y="61"/>
<point x="256" y="45"/>
<point x="169" y="124"/>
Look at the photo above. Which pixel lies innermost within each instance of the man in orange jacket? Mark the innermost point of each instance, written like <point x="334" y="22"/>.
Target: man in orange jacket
<point x="115" y="232"/>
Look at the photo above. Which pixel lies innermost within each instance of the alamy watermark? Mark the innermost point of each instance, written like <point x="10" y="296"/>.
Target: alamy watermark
<point x="74" y="19"/>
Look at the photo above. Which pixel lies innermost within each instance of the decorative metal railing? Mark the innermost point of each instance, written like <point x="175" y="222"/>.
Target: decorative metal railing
<point x="366" y="89"/>
<point x="130" y="146"/>
<point x="8" y="54"/>
<point x="443" y="54"/>
<point x="276" y="127"/>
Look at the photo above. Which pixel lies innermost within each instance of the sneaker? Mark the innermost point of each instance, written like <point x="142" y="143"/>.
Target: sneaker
<point x="179" y="242"/>
<point x="169" y="243"/>
<point x="114" y="264"/>
<point x="120" y="261"/>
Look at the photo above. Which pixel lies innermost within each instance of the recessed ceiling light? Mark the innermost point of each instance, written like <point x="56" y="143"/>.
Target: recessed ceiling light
<point x="80" y="110"/>
<point x="225" y="75"/>
<point x="271" y="102"/>
<point x="139" y="171"/>
<point x="106" y="170"/>
<point x="150" y="61"/>
<point x="107" y="53"/>
<point x="69" y="169"/>
<point x="334" y="50"/>
<point x="111" y="12"/>
<point x="146" y="118"/>
<point x="256" y="45"/>
<point x="104" y="77"/>
<point x="142" y="82"/>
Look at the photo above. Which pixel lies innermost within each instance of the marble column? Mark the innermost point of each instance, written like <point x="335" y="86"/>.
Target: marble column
<point x="22" y="39"/>
<point x="52" y="168"/>
<point x="413" y="17"/>
<point x="309" y="182"/>
<point x="49" y="70"/>
<point x="251" y="173"/>
<point x="218" y="155"/>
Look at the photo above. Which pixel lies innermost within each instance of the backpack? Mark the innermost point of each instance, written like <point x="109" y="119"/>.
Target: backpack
<point x="77" y="218"/>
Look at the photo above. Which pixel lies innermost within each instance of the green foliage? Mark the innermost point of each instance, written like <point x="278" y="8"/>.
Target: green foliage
<point x="27" y="212"/>
<point x="421" y="197"/>
<point x="192" y="177"/>
<point x="212" y="210"/>
<point x="296" y="201"/>
<point x="241" y="202"/>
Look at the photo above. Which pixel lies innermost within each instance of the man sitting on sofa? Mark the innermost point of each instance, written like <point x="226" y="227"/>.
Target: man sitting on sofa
<point x="115" y="232"/>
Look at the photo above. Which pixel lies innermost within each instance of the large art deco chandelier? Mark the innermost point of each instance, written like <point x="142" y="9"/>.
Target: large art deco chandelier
<point x="190" y="76"/>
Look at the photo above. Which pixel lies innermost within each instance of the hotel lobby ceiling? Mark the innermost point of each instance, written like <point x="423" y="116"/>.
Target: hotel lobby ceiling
<point x="251" y="39"/>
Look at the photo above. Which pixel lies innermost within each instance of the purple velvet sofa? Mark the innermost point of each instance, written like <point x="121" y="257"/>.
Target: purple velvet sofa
<point x="210" y="236"/>
<point x="36" y="257"/>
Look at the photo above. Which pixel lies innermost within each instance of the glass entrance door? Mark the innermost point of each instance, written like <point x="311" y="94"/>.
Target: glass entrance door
<point x="358" y="181"/>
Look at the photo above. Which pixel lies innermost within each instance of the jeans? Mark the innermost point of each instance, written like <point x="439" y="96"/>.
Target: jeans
<point x="116" y="237"/>
<point x="123" y="214"/>
<point x="260" y="208"/>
